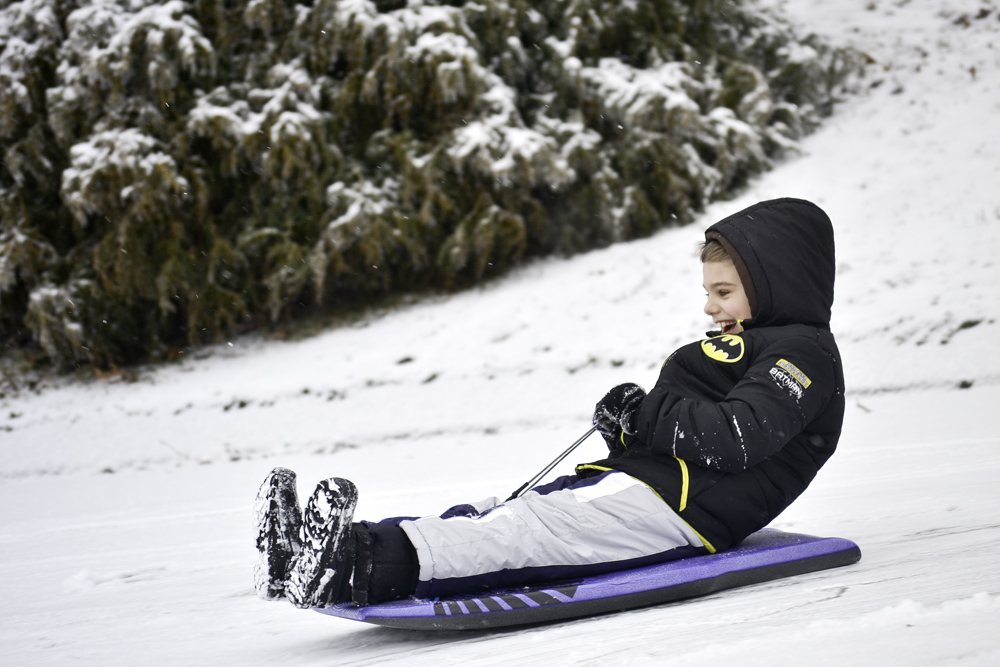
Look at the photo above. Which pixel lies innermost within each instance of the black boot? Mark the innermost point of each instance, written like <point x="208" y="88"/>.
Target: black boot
<point x="321" y="576"/>
<point x="279" y="522"/>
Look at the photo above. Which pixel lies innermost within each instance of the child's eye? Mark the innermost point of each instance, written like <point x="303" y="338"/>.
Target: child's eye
<point x="723" y="292"/>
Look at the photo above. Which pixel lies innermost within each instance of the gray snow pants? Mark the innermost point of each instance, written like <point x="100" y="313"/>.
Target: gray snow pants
<point x="571" y="528"/>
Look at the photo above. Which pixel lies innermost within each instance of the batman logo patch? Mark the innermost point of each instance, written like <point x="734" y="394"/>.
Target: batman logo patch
<point x="728" y="349"/>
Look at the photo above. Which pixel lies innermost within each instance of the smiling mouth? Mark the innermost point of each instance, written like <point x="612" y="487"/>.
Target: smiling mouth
<point x="729" y="327"/>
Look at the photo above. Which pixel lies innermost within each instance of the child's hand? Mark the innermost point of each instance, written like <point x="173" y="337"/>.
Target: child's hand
<point x="616" y="413"/>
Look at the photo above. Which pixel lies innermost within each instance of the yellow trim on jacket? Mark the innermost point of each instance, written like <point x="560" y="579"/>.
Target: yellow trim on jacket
<point x="685" y="484"/>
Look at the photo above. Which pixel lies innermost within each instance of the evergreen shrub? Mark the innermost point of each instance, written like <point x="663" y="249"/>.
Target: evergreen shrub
<point x="175" y="172"/>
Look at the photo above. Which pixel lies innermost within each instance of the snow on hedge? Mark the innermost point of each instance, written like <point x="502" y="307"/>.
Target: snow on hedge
<point x="183" y="171"/>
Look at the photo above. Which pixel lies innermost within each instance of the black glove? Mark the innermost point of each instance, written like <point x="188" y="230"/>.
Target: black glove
<point x="616" y="413"/>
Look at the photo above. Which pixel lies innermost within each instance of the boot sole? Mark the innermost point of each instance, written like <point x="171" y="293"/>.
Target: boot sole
<point x="279" y="524"/>
<point x="319" y="575"/>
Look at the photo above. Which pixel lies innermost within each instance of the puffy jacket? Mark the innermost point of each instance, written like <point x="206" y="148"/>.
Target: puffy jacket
<point x="737" y="426"/>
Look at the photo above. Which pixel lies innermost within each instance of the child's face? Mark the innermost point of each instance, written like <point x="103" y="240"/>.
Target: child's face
<point x="727" y="302"/>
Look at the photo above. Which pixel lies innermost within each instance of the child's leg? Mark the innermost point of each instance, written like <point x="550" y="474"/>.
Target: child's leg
<point x="387" y="567"/>
<point x="575" y="527"/>
<point x="570" y="528"/>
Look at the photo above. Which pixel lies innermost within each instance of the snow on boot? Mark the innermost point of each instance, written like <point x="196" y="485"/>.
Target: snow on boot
<point x="321" y="574"/>
<point x="279" y="523"/>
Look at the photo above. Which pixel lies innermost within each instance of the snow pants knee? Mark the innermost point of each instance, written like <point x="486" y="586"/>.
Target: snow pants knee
<point x="571" y="528"/>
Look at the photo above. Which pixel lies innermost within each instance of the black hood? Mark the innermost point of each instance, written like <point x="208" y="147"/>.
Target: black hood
<point x="783" y="250"/>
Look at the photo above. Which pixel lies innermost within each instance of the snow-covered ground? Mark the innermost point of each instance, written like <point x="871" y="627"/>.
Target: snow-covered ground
<point x="125" y="531"/>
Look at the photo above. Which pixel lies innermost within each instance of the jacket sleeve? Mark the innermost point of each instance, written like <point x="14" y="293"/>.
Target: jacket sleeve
<point x="785" y="388"/>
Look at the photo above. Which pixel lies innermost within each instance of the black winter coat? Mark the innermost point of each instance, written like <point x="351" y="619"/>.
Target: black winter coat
<point x="737" y="426"/>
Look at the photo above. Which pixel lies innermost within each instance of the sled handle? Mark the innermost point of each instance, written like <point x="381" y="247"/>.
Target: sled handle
<point x="530" y="484"/>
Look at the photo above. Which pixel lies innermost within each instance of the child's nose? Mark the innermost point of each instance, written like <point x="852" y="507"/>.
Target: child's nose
<point x="710" y="308"/>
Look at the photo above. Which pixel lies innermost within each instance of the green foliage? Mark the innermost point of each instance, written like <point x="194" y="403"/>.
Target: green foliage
<point x="177" y="171"/>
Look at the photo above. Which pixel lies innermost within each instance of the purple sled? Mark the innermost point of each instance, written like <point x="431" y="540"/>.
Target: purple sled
<point x="764" y="556"/>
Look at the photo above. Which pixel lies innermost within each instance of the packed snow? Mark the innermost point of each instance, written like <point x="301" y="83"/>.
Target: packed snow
<point x="125" y="506"/>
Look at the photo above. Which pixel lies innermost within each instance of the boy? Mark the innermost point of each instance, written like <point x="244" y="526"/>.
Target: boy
<point x="733" y="431"/>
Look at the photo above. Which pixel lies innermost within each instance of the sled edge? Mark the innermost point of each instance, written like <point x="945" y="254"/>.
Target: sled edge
<point x="738" y="569"/>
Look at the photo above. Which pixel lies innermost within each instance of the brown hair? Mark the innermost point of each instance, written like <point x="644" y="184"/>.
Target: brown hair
<point x="726" y="251"/>
<point x="713" y="251"/>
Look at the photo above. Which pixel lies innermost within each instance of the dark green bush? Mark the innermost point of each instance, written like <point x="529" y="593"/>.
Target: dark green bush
<point x="179" y="171"/>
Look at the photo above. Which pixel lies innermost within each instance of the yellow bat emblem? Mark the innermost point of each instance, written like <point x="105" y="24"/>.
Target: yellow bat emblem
<point x="728" y="349"/>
